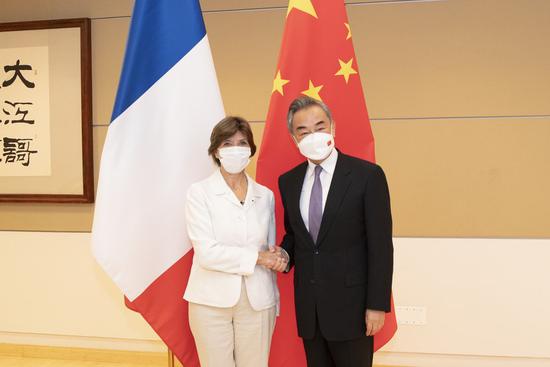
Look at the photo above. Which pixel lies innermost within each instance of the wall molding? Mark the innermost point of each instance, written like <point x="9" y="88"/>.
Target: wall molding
<point x="153" y="353"/>
<point x="85" y="342"/>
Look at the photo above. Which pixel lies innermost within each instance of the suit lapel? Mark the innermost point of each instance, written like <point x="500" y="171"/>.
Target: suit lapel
<point x="341" y="180"/>
<point x="295" y="191"/>
<point x="253" y="194"/>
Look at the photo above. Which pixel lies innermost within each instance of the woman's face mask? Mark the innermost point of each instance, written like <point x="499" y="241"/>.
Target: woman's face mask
<point x="234" y="159"/>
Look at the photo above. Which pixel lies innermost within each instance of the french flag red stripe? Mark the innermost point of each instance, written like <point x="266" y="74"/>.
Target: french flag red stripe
<point x="163" y="307"/>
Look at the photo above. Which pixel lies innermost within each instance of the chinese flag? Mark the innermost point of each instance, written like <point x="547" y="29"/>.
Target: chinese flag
<point x="316" y="59"/>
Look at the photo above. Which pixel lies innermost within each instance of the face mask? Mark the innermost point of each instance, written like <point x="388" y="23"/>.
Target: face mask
<point x="234" y="159"/>
<point x="316" y="146"/>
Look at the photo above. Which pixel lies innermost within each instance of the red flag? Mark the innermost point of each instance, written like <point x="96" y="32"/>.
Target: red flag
<point x="316" y="59"/>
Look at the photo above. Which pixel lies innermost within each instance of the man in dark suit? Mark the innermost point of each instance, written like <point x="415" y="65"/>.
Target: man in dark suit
<point x="339" y="239"/>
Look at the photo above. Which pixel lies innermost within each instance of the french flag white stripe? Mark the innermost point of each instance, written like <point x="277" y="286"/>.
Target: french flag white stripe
<point x="154" y="150"/>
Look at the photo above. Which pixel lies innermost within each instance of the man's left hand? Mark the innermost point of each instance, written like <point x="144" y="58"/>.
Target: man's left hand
<point x="374" y="320"/>
<point x="282" y="258"/>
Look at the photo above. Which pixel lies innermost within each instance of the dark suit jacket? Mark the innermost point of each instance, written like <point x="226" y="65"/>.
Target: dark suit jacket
<point x="350" y="267"/>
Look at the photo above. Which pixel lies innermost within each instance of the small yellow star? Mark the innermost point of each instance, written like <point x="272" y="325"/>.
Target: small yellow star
<point x="304" y="5"/>
<point x="346" y="69"/>
<point x="279" y="83"/>
<point x="349" y="31"/>
<point x="313" y="91"/>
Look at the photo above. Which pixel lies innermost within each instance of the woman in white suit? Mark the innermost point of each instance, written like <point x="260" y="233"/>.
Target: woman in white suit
<point x="232" y="289"/>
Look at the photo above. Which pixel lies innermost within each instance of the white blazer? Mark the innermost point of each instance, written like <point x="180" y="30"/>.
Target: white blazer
<point x="226" y="238"/>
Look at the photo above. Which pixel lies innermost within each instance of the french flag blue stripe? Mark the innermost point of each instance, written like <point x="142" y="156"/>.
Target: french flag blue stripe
<point x="159" y="38"/>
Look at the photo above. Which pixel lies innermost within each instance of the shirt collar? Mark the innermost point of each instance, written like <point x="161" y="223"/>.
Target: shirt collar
<point x="328" y="165"/>
<point x="220" y="186"/>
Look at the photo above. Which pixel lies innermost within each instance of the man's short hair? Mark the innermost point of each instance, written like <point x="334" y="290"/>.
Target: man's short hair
<point x="301" y="103"/>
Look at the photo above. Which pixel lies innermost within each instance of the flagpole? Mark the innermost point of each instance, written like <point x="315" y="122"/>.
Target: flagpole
<point x="170" y="358"/>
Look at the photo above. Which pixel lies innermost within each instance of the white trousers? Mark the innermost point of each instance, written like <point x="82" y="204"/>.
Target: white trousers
<point x="237" y="336"/>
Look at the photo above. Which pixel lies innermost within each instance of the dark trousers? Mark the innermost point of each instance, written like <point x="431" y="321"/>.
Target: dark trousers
<point x="349" y="353"/>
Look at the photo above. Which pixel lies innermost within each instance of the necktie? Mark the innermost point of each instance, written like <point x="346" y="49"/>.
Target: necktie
<point x="316" y="205"/>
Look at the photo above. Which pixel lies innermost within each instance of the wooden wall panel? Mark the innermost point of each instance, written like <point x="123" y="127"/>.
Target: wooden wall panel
<point x="245" y="47"/>
<point x="467" y="178"/>
<point x="431" y="72"/>
<point x="454" y="58"/>
<point x="258" y="130"/>
<point x="231" y="5"/>
<point x="19" y="11"/>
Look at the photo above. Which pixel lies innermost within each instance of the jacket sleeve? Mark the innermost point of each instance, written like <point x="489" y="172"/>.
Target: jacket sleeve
<point x="288" y="239"/>
<point x="211" y="253"/>
<point x="379" y="241"/>
<point x="271" y="238"/>
<point x="272" y="230"/>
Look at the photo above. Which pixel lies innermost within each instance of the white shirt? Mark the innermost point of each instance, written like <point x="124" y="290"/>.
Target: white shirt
<point x="328" y="166"/>
<point x="226" y="238"/>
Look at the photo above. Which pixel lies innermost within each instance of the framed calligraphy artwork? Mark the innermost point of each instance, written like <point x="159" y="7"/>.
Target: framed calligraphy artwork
<point x="46" y="112"/>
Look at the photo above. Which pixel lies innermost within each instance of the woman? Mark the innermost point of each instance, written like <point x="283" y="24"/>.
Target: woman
<point x="232" y="291"/>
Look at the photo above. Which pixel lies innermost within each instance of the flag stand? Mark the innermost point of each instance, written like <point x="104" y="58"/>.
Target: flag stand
<point x="170" y="358"/>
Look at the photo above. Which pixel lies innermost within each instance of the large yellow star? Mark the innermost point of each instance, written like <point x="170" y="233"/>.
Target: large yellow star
<point x="304" y="5"/>
<point x="313" y="91"/>
<point x="346" y="69"/>
<point x="349" y="31"/>
<point x="279" y="83"/>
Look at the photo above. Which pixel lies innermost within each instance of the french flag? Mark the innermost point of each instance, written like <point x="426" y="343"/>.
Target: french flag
<point x="167" y="102"/>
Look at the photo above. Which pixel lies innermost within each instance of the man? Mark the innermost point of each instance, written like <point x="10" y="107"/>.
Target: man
<point x="339" y="239"/>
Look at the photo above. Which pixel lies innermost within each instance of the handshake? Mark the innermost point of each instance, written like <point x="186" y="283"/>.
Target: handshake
<point x="275" y="258"/>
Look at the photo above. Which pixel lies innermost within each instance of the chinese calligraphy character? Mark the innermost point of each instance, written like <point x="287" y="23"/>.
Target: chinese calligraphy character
<point x="15" y="111"/>
<point x="17" y="68"/>
<point x="17" y="150"/>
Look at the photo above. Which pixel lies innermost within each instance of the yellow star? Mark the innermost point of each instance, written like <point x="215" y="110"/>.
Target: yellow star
<point x="346" y="69"/>
<point x="349" y="31"/>
<point x="313" y="91"/>
<point x="279" y="83"/>
<point x="304" y="5"/>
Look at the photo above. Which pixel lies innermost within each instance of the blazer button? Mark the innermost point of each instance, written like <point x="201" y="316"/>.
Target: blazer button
<point x="312" y="281"/>
<point x="316" y="252"/>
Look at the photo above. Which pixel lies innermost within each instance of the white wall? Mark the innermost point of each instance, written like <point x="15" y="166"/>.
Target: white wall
<point x="487" y="300"/>
<point x="52" y="291"/>
<point x="484" y="297"/>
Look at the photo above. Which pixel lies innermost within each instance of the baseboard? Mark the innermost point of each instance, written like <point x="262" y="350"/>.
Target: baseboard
<point x="87" y="342"/>
<point x="395" y="359"/>
<point x="153" y="352"/>
<point x="152" y="359"/>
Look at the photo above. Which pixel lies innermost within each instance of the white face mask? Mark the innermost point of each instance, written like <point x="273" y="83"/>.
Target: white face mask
<point x="234" y="159"/>
<point x="316" y="146"/>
